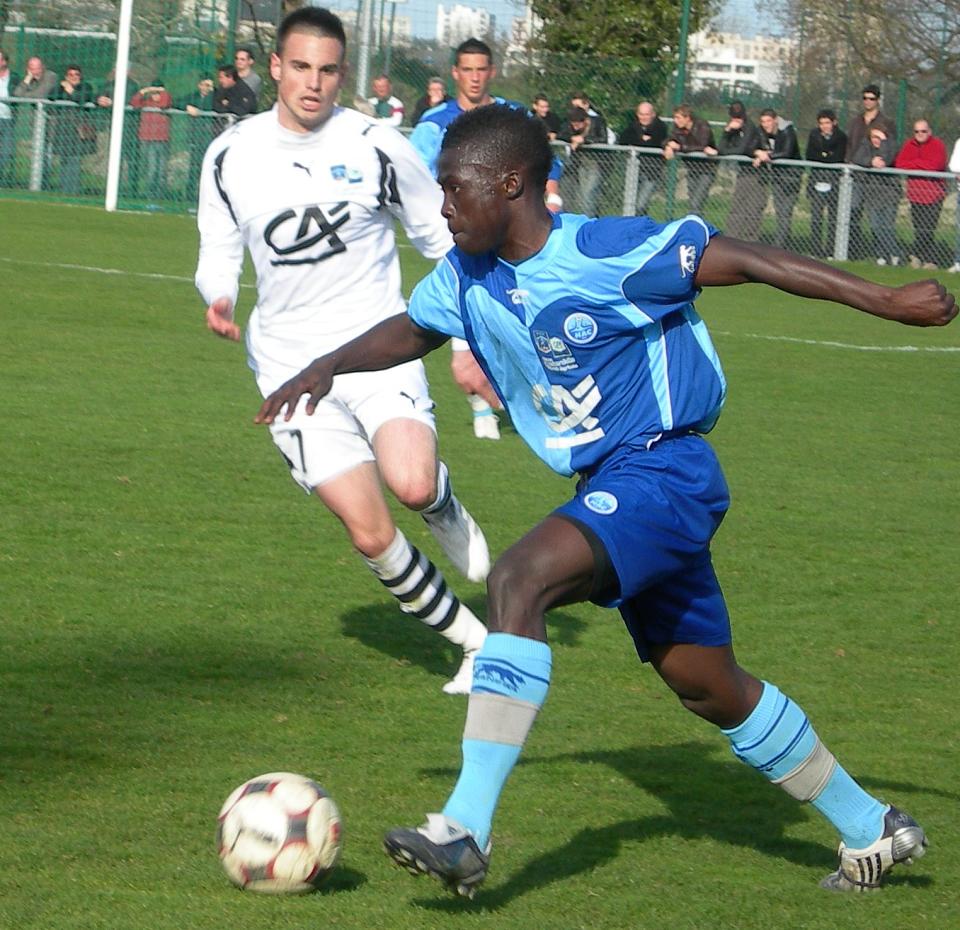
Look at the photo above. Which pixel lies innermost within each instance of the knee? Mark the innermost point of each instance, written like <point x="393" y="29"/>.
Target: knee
<point x="415" y="490"/>
<point x="515" y="600"/>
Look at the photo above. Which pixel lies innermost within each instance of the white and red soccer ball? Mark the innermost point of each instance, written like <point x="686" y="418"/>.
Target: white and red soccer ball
<point x="279" y="833"/>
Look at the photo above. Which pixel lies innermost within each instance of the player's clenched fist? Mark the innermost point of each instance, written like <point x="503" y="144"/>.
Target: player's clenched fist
<point x="922" y="303"/>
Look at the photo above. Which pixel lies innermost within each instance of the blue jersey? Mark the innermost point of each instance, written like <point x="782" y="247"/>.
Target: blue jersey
<point x="593" y="343"/>
<point x="427" y="135"/>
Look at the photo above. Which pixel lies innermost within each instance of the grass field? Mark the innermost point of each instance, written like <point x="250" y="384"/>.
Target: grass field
<point x="177" y="617"/>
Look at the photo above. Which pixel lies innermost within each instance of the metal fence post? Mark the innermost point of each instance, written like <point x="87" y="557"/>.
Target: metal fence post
<point x="631" y="181"/>
<point x="841" y="239"/>
<point x="39" y="149"/>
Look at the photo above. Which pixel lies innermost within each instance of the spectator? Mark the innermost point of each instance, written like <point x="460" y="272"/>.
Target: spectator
<point x="741" y="136"/>
<point x="954" y="166"/>
<point x="879" y="192"/>
<point x="579" y="132"/>
<point x="243" y="63"/>
<point x="232" y="96"/>
<point x="38" y="83"/>
<point x="129" y="146"/>
<point x="857" y="134"/>
<point x="201" y="131"/>
<point x="74" y="134"/>
<point x="646" y="131"/>
<point x="692" y="134"/>
<point x="601" y="129"/>
<point x="387" y="109"/>
<point x="435" y="95"/>
<point x="924" y="152"/>
<point x="154" y="136"/>
<point x="777" y="142"/>
<point x="826" y="145"/>
<point x="8" y="81"/>
<point x="541" y="110"/>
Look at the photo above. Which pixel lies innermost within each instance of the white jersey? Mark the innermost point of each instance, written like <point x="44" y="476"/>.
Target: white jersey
<point x="316" y="211"/>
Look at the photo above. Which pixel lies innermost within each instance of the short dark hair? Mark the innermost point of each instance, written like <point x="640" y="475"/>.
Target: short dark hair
<point x="472" y="46"/>
<point x="230" y="71"/>
<point x="506" y="138"/>
<point x="827" y="114"/>
<point x="769" y="111"/>
<point x="872" y="89"/>
<point x="73" y="68"/>
<point x="313" y="20"/>
<point x="247" y="49"/>
<point x="540" y="97"/>
<point x="577" y="115"/>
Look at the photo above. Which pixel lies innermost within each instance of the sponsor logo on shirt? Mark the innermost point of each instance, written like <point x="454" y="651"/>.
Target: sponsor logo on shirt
<point x="580" y="328"/>
<point x="517" y="296"/>
<point x="688" y="260"/>
<point x="343" y="173"/>
<point x="558" y="356"/>
<point x="602" y="502"/>
<point x="307" y="236"/>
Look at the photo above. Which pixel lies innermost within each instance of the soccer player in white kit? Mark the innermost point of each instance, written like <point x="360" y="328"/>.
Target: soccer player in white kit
<point x="312" y="189"/>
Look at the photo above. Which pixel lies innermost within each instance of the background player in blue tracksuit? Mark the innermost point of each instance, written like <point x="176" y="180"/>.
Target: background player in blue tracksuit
<point x="587" y="329"/>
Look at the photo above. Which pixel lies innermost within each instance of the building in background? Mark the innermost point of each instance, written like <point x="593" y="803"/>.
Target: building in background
<point x="735" y="64"/>
<point x="458" y="23"/>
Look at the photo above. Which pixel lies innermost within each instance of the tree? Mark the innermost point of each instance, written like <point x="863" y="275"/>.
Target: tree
<point x="634" y="30"/>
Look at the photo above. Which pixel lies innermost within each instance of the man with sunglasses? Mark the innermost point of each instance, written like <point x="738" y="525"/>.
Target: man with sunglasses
<point x="857" y="129"/>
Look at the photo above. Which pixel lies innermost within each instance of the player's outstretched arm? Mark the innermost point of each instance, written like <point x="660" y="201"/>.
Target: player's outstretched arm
<point x="729" y="261"/>
<point x="389" y="343"/>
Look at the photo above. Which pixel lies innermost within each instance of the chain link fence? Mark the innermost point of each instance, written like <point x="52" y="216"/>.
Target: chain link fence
<point x="54" y="144"/>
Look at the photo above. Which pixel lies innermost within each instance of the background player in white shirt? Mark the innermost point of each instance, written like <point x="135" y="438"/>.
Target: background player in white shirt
<point x="312" y="189"/>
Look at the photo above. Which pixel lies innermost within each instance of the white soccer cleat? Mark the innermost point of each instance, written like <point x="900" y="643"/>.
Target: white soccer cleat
<point x="463" y="680"/>
<point x="902" y="841"/>
<point x="461" y="539"/>
<point x="486" y="426"/>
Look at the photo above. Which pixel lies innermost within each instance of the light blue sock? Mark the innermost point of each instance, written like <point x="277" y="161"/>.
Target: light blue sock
<point x="511" y="677"/>
<point x="778" y="741"/>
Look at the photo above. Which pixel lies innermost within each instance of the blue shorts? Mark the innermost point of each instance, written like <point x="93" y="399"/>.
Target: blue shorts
<point x="655" y="512"/>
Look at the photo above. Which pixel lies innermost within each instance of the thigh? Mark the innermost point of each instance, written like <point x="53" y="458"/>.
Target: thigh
<point x="406" y="452"/>
<point x="376" y="397"/>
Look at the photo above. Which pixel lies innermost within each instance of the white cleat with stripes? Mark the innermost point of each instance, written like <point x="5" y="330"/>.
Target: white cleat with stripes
<point x="903" y="840"/>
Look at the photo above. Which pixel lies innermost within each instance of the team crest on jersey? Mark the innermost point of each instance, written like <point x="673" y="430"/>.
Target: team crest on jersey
<point x="343" y="173"/>
<point x="580" y="328"/>
<point x="602" y="502"/>
<point x="688" y="260"/>
<point x="517" y="296"/>
<point x="557" y="355"/>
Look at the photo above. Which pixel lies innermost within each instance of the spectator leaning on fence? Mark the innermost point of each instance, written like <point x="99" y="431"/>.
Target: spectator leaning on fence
<point x="583" y="168"/>
<point x="8" y="81"/>
<point x="879" y="192"/>
<point x="74" y="132"/>
<point x="39" y="83"/>
<point x="692" y="134"/>
<point x="924" y="152"/>
<point x="201" y="130"/>
<point x="601" y="130"/>
<point x="826" y="145"/>
<point x="232" y="95"/>
<point x="778" y="141"/>
<point x="541" y="110"/>
<point x="387" y="109"/>
<point x="646" y="131"/>
<point x="243" y="62"/>
<point x="436" y="94"/>
<point x="871" y="115"/>
<point x="154" y="136"/>
<point x="741" y="136"/>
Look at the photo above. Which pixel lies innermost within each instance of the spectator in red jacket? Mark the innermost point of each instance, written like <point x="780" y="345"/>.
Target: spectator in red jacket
<point x="154" y="136"/>
<point x="924" y="152"/>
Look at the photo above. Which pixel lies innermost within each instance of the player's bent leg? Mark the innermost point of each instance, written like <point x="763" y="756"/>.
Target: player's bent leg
<point x="406" y="454"/>
<point x="418" y="585"/>
<point x="775" y="737"/>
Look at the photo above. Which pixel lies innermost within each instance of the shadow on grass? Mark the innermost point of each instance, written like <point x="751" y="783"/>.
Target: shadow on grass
<point x="706" y="798"/>
<point x="384" y="628"/>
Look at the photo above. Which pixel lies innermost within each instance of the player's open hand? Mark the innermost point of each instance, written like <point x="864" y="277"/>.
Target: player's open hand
<point x="316" y="380"/>
<point x="922" y="303"/>
<point x="220" y="319"/>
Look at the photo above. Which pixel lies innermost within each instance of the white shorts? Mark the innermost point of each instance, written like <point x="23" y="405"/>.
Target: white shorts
<point x="339" y="434"/>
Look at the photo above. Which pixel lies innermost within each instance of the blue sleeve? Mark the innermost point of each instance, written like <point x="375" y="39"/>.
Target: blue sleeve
<point x="435" y="302"/>
<point x="556" y="169"/>
<point x="426" y="139"/>
<point x="664" y="282"/>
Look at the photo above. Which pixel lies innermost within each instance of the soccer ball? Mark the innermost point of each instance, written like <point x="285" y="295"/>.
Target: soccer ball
<point x="279" y="833"/>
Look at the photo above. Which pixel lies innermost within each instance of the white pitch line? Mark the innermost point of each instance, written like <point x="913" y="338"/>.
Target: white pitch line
<point x="717" y="332"/>
<point x="836" y="345"/>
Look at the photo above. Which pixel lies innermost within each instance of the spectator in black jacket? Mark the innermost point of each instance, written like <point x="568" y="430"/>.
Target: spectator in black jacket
<point x="541" y="111"/>
<point x="74" y="133"/>
<point x="232" y="95"/>
<point x="777" y="143"/>
<point x="8" y="113"/>
<point x="693" y="135"/>
<point x="827" y="145"/>
<point x="646" y="131"/>
<point x="583" y="166"/>
<point x="878" y="193"/>
<point x="741" y="137"/>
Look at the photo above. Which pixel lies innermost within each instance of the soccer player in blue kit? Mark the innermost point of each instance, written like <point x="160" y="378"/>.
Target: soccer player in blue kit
<point x="587" y="330"/>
